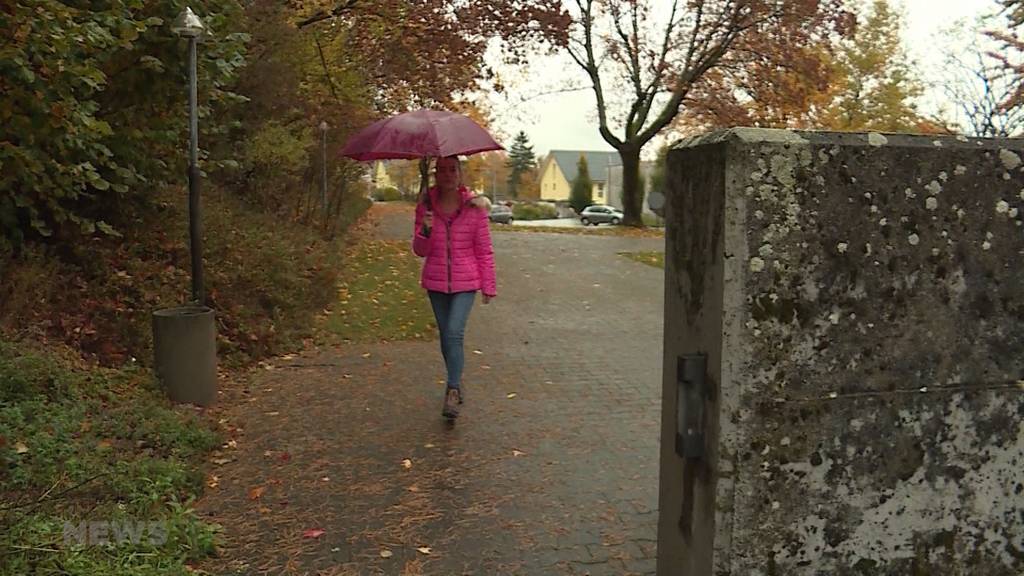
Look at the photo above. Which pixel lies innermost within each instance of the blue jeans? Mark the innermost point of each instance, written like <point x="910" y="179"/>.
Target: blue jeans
<point x="451" y="312"/>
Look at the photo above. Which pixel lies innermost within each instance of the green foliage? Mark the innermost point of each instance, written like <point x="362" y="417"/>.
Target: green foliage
<point x="582" y="192"/>
<point x="387" y="194"/>
<point x="274" y="153"/>
<point x="520" y="161"/>
<point x="524" y="211"/>
<point x="93" y="444"/>
<point x="877" y="86"/>
<point x="91" y="116"/>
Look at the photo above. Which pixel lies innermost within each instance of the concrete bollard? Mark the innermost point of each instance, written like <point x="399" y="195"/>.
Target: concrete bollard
<point x="859" y="302"/>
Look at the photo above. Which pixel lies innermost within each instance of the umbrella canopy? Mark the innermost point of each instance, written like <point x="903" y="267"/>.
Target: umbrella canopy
<point x="419" y="134"/>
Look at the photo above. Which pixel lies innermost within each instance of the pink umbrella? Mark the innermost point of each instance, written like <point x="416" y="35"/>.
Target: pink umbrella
<point x="419" y="134"/>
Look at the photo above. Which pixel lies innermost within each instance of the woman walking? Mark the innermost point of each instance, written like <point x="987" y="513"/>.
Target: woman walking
<point x="459" y="263"/>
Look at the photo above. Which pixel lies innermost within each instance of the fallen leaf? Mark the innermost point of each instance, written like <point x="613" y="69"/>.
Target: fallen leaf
<point x="518" y="453"/>
<point x="221" y="461"/>
<point x="232" y="444"/>
<point x="255" y="493"/>
<point x="335" y="549"/>
<point x="414" y="488"/>
<point x="428" y="445"/>
<point x="284" y="457"/>
<point x="385" y="554"/>
<point x="366" y="355"/>
<point x="313" y="533"/>
<point x="264" y="510"/>
<point x="101" y="444"/>
<point x="510" y="395"/>
<point x="485" y="366"/>
<point x="272" y="413"/>
<point x="407" y="464"/>
<point x="477" y="352"/>
<point x="20" y="448"/>
<point x="213" y="482"/>
<point x="325" y="479"/>
<point x="268" y="453"/>
<point x="424" y="550"/>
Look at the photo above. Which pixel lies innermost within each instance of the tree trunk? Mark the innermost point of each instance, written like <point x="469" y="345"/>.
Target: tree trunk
<point x="632" y="203"/>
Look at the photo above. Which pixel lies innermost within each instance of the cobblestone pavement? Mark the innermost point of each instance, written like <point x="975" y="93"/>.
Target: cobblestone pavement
<point x="551" y="469"/>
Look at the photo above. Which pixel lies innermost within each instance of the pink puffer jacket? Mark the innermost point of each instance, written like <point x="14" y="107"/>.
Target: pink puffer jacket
<point x="459" y="254"/>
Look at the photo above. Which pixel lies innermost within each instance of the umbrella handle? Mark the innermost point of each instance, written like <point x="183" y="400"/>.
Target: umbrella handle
<point x="425" y="181"/>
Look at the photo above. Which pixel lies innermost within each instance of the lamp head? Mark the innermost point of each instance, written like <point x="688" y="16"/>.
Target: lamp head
<point x="188" y="25"/>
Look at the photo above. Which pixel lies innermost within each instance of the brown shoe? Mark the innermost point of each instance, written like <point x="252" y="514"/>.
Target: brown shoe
<point x="452" y="399"/>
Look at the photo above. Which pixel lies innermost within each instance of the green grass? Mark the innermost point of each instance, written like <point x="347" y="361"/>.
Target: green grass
<point x="92" y="444"/>
<point x="656" y="259"/>
<point x="380" y="298"/>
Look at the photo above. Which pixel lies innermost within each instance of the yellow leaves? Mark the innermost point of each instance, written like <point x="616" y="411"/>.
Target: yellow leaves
<point x="257" y="492"/>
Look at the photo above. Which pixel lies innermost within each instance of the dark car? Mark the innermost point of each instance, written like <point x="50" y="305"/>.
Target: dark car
<point x="501" y="214"/>
<point x="601" y="214"/>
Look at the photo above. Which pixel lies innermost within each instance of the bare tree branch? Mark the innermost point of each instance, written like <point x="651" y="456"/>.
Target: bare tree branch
<point x="339" y="10"/>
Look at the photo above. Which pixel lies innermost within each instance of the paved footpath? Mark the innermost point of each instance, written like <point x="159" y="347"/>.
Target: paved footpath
<point x="551" y="469"/>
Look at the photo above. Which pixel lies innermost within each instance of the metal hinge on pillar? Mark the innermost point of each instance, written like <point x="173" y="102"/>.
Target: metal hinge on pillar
<point x="691" y="392"/>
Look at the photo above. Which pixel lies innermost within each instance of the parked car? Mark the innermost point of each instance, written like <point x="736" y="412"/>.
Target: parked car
<point x="501" y="214"/>
<point x="600" y="214"/>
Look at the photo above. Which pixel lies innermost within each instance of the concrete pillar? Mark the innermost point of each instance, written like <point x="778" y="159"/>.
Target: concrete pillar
<point x="860" y="302"/>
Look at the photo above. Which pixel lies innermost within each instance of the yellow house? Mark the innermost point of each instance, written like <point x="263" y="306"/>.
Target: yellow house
<point x="559" y="169"/>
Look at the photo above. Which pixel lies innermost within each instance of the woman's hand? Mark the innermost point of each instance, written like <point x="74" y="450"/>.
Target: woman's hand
<point x="487" y="299"/>
<point x="427" y="224"/>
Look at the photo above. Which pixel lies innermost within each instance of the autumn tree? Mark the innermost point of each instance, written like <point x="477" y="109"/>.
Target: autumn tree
<point x="876" y="87"/>
<point x="520" y="161"/>
<point x="417" y="53"/>
<point x="493" y="173"/>
<point x="643" y="73"/>
<point x="582" y="193"/>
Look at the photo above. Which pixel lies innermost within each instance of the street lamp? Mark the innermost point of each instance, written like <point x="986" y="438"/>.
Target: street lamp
<point x="323" y="151"/>
<point x="184" y="337"/>
<point x="188" y="25"/>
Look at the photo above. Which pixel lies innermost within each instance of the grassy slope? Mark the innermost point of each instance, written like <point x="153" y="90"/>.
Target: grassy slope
<point x="83" y="442"/>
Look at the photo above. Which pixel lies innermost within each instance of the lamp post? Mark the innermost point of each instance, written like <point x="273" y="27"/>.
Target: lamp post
<point x="323" y="151"/>
<point x="185" y="337"/>
<point x="188" y="25"/>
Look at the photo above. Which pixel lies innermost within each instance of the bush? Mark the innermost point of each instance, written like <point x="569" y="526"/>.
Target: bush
<point x="266" y="278"/>
<point x="524" y="211"/>
<point x="388" y="194"/>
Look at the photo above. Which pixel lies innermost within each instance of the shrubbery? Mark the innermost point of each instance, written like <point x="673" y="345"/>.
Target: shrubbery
<point x="265" y="277"/>
<point x="524" y="211"/>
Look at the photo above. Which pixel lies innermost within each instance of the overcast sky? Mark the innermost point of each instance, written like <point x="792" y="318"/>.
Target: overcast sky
<point x="568" y="120"/>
